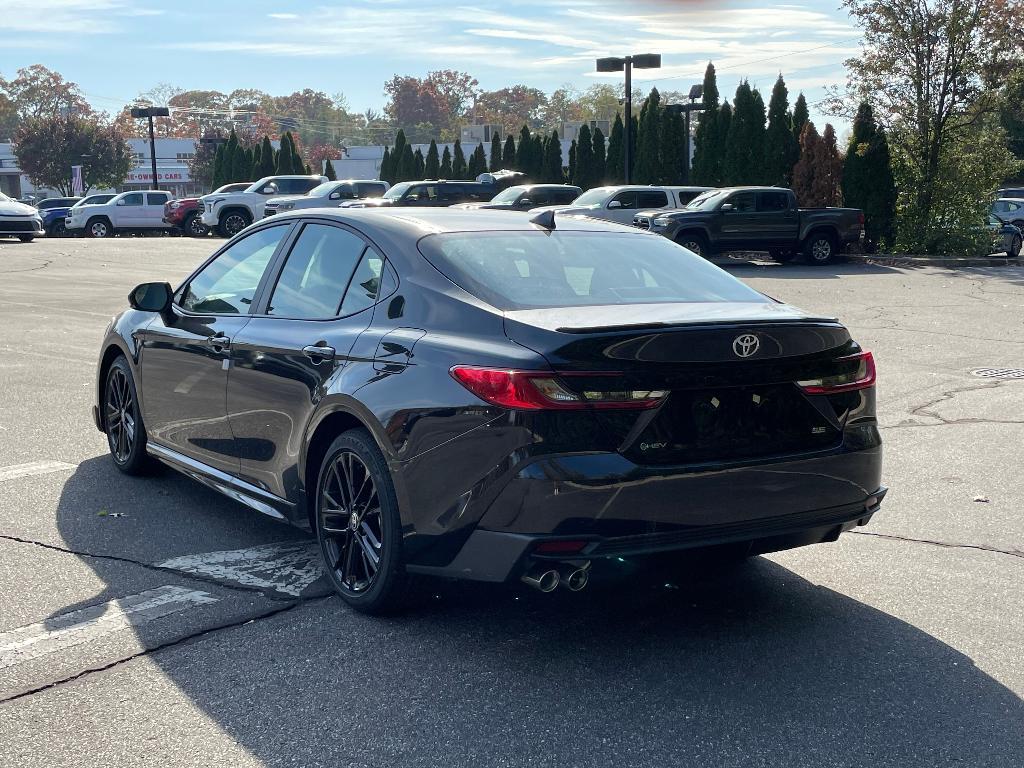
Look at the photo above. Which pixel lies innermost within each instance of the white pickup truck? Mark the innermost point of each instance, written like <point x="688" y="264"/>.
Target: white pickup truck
<point x="230" y="213"/>
<point x="621" y="203"/>
<point x="126" y="212"/>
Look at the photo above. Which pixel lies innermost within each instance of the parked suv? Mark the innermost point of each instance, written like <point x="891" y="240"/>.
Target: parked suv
<point x="126" y="212"/>
<point x="185" y="214"/>
<point x="621" y="203"/>
<point x="229" y="213"/>
<point x="1010" y="210"/>
<point x="523" y="197"/>
<point x="330" y="194"/>
<point x="433" y="194"/>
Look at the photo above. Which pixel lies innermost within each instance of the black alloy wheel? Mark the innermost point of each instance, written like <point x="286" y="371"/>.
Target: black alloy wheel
<point x="232" y="223"/>
<point x="1015" y="247"/>
<point x="358" y="527"/>
<point x="194" y="226"/>
<point x="126" y="436"/>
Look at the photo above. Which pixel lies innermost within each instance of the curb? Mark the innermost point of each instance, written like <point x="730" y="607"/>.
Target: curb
<point x="884" y="260"/>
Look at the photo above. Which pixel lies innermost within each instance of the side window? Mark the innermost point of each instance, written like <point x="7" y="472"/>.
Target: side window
<point x="743" y="202"/>
<point x="422" y="193"/>
<point x="773" y="201"/>
<point x="538" y="197"/>
<point x="156" y="198"/>
<point x="685" y="197"/>
<point x="302" y="186"/>
<point x="652" y="200"/>
<point x="627" y="199"/>
<point x="346" y="191"/>
<point x="370" y="190"/>
<point x="135" y="198"/>
<point x="564" y="196"/>
<point x="365" y="284"/>
<point x="228" y="283"/>
<point x="316" y="272"/>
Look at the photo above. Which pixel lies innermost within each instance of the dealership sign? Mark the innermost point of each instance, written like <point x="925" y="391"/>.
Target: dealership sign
<point x="168" y="175"/>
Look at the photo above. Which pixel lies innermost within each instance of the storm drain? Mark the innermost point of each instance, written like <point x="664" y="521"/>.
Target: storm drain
<point x="999" y="373"/>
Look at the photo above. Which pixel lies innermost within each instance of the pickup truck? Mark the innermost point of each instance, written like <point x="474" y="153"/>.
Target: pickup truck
<point x="621" y="203"/>
<point x="228" y="214"/>
<point x="757" y="219"/>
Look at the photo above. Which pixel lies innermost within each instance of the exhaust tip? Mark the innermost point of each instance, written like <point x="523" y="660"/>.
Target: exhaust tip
<point x="545" y="580"/>
<point x="574" y="577"/>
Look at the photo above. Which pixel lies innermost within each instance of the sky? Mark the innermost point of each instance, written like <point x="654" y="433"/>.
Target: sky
<point x="116" y="49"/>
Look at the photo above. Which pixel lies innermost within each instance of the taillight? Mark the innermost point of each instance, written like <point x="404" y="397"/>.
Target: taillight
<point x="542" y="390"/>
<point x="859" y="374"/>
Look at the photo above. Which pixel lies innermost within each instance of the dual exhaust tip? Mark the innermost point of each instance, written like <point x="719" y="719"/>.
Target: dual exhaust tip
<point x="568" y="575"/>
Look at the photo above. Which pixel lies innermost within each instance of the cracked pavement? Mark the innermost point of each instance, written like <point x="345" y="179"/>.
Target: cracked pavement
<point x="898" y="645"/>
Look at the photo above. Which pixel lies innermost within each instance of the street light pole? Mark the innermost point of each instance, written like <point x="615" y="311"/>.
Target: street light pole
<point x="150" y="113"/>
<point x="626" y="64"/>
<point x="696" y="92"/>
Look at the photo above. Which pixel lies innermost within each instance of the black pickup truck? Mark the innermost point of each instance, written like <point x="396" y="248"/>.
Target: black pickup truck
<point x="757" y="219"/>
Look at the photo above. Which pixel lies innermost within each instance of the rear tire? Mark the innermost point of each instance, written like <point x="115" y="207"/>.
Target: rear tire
<point x="122" y="420"/>
<point x="26" y="238"/>
<point x="1015" y="248"/>
<point x="821" y="249"/>
<point x="99" y="228"/>
<point x="695" y="242"/>
<point x="358" y="525"/>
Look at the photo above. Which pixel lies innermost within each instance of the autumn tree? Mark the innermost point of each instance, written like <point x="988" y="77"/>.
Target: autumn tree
<point x="438" y="100"/>
<point x="816" y="176"/>
<point x="46" y="148"/>
<point x="510" y="107"/>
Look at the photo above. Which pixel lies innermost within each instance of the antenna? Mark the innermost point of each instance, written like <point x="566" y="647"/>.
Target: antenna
<point x="545" y="219"/>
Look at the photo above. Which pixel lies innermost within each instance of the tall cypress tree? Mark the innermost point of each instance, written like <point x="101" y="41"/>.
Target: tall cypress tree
<point x="537" y="157"/>
<point x="458" y="161"/>
<point x="267" y="159"/>
<point x="419" y="165"/>
<point x="329" y="170"/>
<point x="805" y="170"/>
<point x="477" y="162"/>
<point x="508" y="153"/>
<point x="446" y="164"/>
<point x="599" y="159"/>
<point x="218" y="167"/>
<point x="613" y="174"/>
<point x="387" y="170"/>
<point x="553" y="173"/>
<point x="432" y="165"/>
<point x="572" y="162"/>
<point x="707" y="160"/>
<point x="780" y="146"/>
<point x="524" y="148"/>
<point x="254" y="168"/>
<point x="672" y="147"/>
<point x="241" y="164"/>
<point x="230" y="151"/>
<point x="800" y="117"/>
<point x="724" y="123"/>
<point x="830" y="169"/>
<point x="759" y="118"/>
<point x="584" y="158"/>
<point x="495" y="153"/>
<point x="648" y="149"/>
<point x="867" y="178"/>
<point x="744" y="153"/>
<point x="283" y="165"/>
<point x="397" y="152"/>
<point x="406" y="164"/>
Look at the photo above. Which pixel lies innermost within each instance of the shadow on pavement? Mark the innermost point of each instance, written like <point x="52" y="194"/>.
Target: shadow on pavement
<point x="749" y="665"/>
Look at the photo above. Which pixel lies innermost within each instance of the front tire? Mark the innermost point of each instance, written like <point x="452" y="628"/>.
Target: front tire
<point x="1015" y="247"/>
<point x="694" y="242"/>
<point x="194" y="226"/>
<point x="122" y="421"/>
<point x="782" y="257"/>
<point x="358" y="525"/>
<point x="26" y="238"/>
<point x="821" y="249"/>
<point x="233" y="222"/>
<point x="57" y="229"/>
<point x="99" y="228"/>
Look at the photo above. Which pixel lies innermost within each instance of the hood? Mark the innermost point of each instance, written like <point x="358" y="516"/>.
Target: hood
<point x="367" y="202"/>
<point x="17" y="209"/>
<point x="567" y="209"/>
<point x="286" y="199"/>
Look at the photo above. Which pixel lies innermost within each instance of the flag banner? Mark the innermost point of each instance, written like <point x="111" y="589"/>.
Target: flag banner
<point x="77" y="188"/>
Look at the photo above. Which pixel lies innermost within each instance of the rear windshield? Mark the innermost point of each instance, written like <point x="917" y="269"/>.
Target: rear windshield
<point x="536" y="270"/>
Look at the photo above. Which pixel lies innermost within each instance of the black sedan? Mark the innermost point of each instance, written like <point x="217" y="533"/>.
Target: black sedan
<point x="469" y="395"/>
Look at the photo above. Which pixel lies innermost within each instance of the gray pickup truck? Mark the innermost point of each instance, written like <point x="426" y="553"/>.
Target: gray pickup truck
<point x="757" y="219"/>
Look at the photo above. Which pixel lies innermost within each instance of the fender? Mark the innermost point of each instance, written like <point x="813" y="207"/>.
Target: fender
<point x="118" y="339"/>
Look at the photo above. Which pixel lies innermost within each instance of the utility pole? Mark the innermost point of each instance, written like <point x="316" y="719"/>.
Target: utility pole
<point x="696" y="92"/>
<point x="150" y="113"/>
<point x="626" y="64"/>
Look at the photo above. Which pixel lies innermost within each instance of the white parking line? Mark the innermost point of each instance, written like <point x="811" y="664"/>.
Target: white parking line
<point x="287" y="567"/>
<point x="89" y="624"/>
<point x="33" y="468"/>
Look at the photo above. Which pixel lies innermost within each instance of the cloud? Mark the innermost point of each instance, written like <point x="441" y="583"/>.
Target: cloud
<point x="283" y="15"/>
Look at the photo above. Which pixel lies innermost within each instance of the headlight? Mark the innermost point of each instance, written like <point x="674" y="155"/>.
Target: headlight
<point x="661" y="223"/>
<point x="175" y="205"/>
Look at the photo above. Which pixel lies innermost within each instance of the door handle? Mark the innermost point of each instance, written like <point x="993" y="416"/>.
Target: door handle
<point x="318" y="353"/>
<point x="218" y="342"/>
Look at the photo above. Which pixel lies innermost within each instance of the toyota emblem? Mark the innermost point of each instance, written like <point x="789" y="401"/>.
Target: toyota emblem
<point x="745" y="345"/>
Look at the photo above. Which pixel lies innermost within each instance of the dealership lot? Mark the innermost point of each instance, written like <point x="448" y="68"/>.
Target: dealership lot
<point x="151" y="621"/>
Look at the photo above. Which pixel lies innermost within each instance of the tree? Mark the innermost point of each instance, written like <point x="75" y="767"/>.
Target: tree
<point x="267" y="159"/>
<point x="47" y="147"/>
<point x="926" y="68"/>
<point x="477" y="162"/>
<point x="387" y="167"/>
<point x="572" y="162"/>
<point x="510" y="107"/>
<point x="406" y="164"/>
<point x="723" y="125"/>
<point x="614" y="160"/>
<point x="673" y="144"/>
<point x="38" y="92"/>
<point x="563" y="106"/>
<point x="508" y="153"/>
<point x="446" y="165"/>
<point x="458" y="161"/>
<point x="647" y="169"/>
<point x="816" y="174"/>
<point x="241" y="163"/>
<point x="634" y="134"/>
<point x="432" y="165"/>
<point x="744" y="151"/>
<point x="329" y="170"/>
<point x="284" y="155"/>
<point x="255" y="160"/>
<point x="439" y="99"/>
<point x="780" y="146"/>
<point x="553" y="173"/>
<point x="800" y="116"/>
<point x="830" y="169"/>
<point x="495" y="152"/>
<point x="868" y="182"/>
<point x="418" y="164"/>
<point x="707" y="160"/>
<point x="584" y="177"/>
<point x="218" y="179"/>
<point x="524" y="150"/>
<point x="599" y="160"/>
<point x="401" y="167"/>
<point x="537" y="157"/>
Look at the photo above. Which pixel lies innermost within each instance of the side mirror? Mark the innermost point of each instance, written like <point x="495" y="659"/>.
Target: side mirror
<point x="334" y="196"/>
<point x="151" y="297"/>
<point x="726" y="207"/>
<point x="615" y="204"/>
<point x="524" y="202"/>
<point x="121" y="202"/>
<point x="268" y="190"/>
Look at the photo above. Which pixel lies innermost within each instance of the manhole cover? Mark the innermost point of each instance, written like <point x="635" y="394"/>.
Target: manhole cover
<point x="999" y="373"/>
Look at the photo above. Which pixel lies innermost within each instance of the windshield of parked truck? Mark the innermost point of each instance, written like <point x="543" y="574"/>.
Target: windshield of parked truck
<point x="593" y="197"/>
<point x="322" y="190"/>
<point x="396" y="192"/>
<point x="706" y="202"/>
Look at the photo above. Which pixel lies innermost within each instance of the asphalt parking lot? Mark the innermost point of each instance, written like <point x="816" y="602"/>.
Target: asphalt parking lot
<point x="153" y="622"/>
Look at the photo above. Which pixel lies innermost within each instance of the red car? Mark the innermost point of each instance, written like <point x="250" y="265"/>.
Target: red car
<point x="185" y="214"/>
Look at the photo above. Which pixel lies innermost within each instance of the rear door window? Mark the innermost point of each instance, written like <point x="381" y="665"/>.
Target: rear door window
<point x="364" y="287"/>
<point x="370" y="190"/>
<point x="156" y="198"/>
<point x="772" y="201"/>
<point x="563" y="196"/>
<point x="652" y="199"/>
<point x="316" y="272"/>
<point x="135" y="198"/>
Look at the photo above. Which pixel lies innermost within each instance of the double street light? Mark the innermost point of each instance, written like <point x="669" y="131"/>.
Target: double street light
<point x="626" y="64"/>
<point x="151" y="112"/>
<point x="696" y="92"/>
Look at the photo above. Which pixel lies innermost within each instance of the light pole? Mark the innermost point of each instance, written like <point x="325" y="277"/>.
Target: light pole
<point x="626" y="64"/>
<point x="151" y="112"/>
<point x="696" y="92"/>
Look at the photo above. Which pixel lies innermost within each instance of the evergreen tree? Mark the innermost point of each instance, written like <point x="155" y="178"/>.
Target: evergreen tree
<point x="230" y="151"/>
<point x="867" y="178"/>
<point x="537" y="158"/>
<point x="553" y="173"/>
<point x="446" y="164"/>
<point x="707" y="160"/>
<point x="406" y="164"/>
<point x="284" y="155"/>
<point x="584" y="158"/>
<point x="241" y="164"/>
<point x="599" y="160"/>
<point x="672" y="147"/>
<point x="477" y="162"/>
<point x="648" y="146"/>
<point x="495" y="153"/>
<point x="800" y="118"/>
<point x="744" y="152"/>
<point x="508" y="154"/>
<point x="267" y="159"/>
<point x="432" y="166"/>
<point x="387" y="171"/>
<point x="397" y="153"/>
<point x="329" y="170"/>
<point x="309" y="170"/>
<point x="254" y="167"/>
<point x="458" y="162"/>
<point x="780" y="146"/>
<point x="218" y="167"/>
<point x="805" y="170"/>
<point x="572" y="162"/>
<point x="524" y="149"/>
<point x="829" y="179"/>
<point x="419" y="164"/>
<point x="723" y="124"/>
<point x="614" y="160"/>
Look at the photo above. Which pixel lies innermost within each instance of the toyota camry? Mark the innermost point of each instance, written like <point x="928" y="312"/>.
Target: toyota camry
<point x="471" y="395"/>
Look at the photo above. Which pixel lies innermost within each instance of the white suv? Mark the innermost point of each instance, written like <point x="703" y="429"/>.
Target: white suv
<point x="128" y="211"/>
<point x="622" y="203"/>
<point x="228" y="214"/>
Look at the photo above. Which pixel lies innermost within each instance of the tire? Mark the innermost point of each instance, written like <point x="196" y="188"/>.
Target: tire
<point x="26" y="238"/>
<point x="232" y="222"/>
<point x="694" y="241"/>
<point x="782" y="257"/>
<point x="348" y="522"/>
<point x="193" y="226"/>
<point x="122" y="421"/>
<point x="1015" y="247"/>
<point x="57" y="229"/>
<point x="820" y="249"/>
<point x="99" y="228"/>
